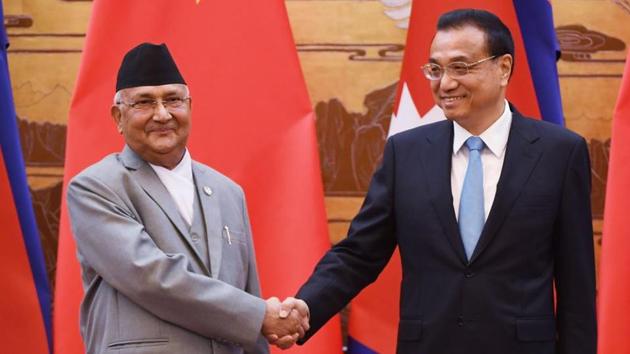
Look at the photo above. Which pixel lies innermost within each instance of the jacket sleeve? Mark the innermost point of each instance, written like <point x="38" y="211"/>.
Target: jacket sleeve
<point x="355" y="262"/>
<point x="574" y="259"/>
<point x="114" y="244"/>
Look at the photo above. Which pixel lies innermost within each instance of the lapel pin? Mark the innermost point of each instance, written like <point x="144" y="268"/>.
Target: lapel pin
<point x="207" y="190"/>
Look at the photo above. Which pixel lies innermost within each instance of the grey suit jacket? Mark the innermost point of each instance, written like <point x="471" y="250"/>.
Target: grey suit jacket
<point x="146" y="288"/>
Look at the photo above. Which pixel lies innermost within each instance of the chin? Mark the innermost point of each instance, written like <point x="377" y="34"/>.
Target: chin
<point x="452" y="115"/>
<point x="163" y="148"/>
<point x="163" y="143"/>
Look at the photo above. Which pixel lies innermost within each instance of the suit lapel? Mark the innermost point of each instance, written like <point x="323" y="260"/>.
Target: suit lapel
<point x="522" y="155"/>
<point x="152" y="185"/>
<point x="212" y="216"/>
<point x="437" y="157"/>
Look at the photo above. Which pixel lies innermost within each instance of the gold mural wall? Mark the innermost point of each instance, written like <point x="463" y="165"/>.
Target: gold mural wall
<point x="350" y="52"/>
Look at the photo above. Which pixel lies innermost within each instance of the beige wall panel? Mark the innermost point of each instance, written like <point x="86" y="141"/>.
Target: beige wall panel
<point x="51" y="16"/>
<point x="44" y="97"/>
<point x="588" y="105"/>
<point x="328" y="76"/>
<point x="338" y="42"/>
<point x="340" y="211"/>
<point x="343" y="208"/>
<point x="590" y="83"/>
<point x="337" y="230"/>
<point x="339" y="21"/>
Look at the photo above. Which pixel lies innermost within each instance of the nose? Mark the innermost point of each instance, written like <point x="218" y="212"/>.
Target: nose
<point x="447" y="82"/>
<point x="160" y="113"/>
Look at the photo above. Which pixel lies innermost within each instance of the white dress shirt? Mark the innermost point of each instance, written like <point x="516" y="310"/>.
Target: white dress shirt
<point x="180" y="185"/>
<point x="492" y="156"/>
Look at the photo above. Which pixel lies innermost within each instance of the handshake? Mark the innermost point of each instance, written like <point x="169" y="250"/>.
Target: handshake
<point x="285" y="322"/>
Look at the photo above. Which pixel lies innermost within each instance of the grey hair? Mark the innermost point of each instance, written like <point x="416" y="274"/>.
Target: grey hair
<point x="118" y="95"/>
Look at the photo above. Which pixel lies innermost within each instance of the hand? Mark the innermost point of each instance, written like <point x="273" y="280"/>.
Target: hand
<point x="285" y="323"/>
<point x="292" y="304"/>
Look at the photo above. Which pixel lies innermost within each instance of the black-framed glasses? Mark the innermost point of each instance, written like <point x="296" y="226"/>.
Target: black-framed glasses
<point x="456" y="69"/>
<point x="150" y="104"/>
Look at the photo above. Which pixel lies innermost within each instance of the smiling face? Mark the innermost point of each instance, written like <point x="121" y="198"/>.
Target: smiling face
<point x="157" y="135"/>
<point x="474" y="100"/>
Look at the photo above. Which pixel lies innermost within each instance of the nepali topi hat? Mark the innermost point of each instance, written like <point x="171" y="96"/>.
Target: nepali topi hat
<point x="148" y="65"/>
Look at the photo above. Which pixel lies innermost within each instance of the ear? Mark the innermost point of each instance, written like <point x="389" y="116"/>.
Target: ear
<point x="505" y="66"/>
<point x="116" y="114"/>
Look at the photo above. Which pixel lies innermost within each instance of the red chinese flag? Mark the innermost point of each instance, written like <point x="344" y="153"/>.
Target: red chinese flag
<point x="614" y="268"/>
<point x="252" y="120"/>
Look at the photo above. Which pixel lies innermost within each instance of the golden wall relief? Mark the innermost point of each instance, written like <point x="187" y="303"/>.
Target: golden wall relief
<point x="351" y="143"/>
<point x="43" y="146"/>
<point x="46" y="40"/>
<point x="595" y="40"/>
<point x="588" y="54"/>
<point x="350" y="51"/>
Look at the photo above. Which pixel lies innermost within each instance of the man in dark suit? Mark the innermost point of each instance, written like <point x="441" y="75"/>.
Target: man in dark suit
<point x="490" y="211"/>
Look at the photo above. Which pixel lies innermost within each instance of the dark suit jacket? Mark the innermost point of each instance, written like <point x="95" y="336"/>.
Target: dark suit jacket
<point x="538" y="234"/>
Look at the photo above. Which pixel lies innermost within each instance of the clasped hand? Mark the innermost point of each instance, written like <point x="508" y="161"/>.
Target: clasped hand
<point x="285" y="322"/>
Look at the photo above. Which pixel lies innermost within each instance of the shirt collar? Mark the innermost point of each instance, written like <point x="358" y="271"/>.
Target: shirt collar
<point x="183" y="168"/>
<point x="495" y="137"/>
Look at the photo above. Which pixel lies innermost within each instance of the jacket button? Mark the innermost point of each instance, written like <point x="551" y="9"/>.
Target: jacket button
<point x="469" y="274"/>
<point x="460" y="321"/>
<point x="194" y="237"/>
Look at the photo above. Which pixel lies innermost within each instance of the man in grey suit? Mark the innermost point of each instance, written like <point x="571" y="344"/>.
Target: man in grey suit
<point x="164" y="242"/>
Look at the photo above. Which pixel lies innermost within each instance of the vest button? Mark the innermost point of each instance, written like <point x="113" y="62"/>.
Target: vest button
<point x="194" y="237"/>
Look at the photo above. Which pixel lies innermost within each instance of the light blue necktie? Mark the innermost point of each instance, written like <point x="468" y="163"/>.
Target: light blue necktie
<point x="471" y="209"/>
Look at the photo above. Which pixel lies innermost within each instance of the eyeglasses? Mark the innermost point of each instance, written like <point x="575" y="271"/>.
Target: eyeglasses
<point x="147" y="104"/>
<point x="433" y="71"/>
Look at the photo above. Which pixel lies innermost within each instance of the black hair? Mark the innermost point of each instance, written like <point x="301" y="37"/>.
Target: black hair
<point x="498" y="37"/>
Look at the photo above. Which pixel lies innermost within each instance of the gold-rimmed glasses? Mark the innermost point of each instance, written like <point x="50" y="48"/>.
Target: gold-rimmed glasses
<point x="456" y="69"/>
